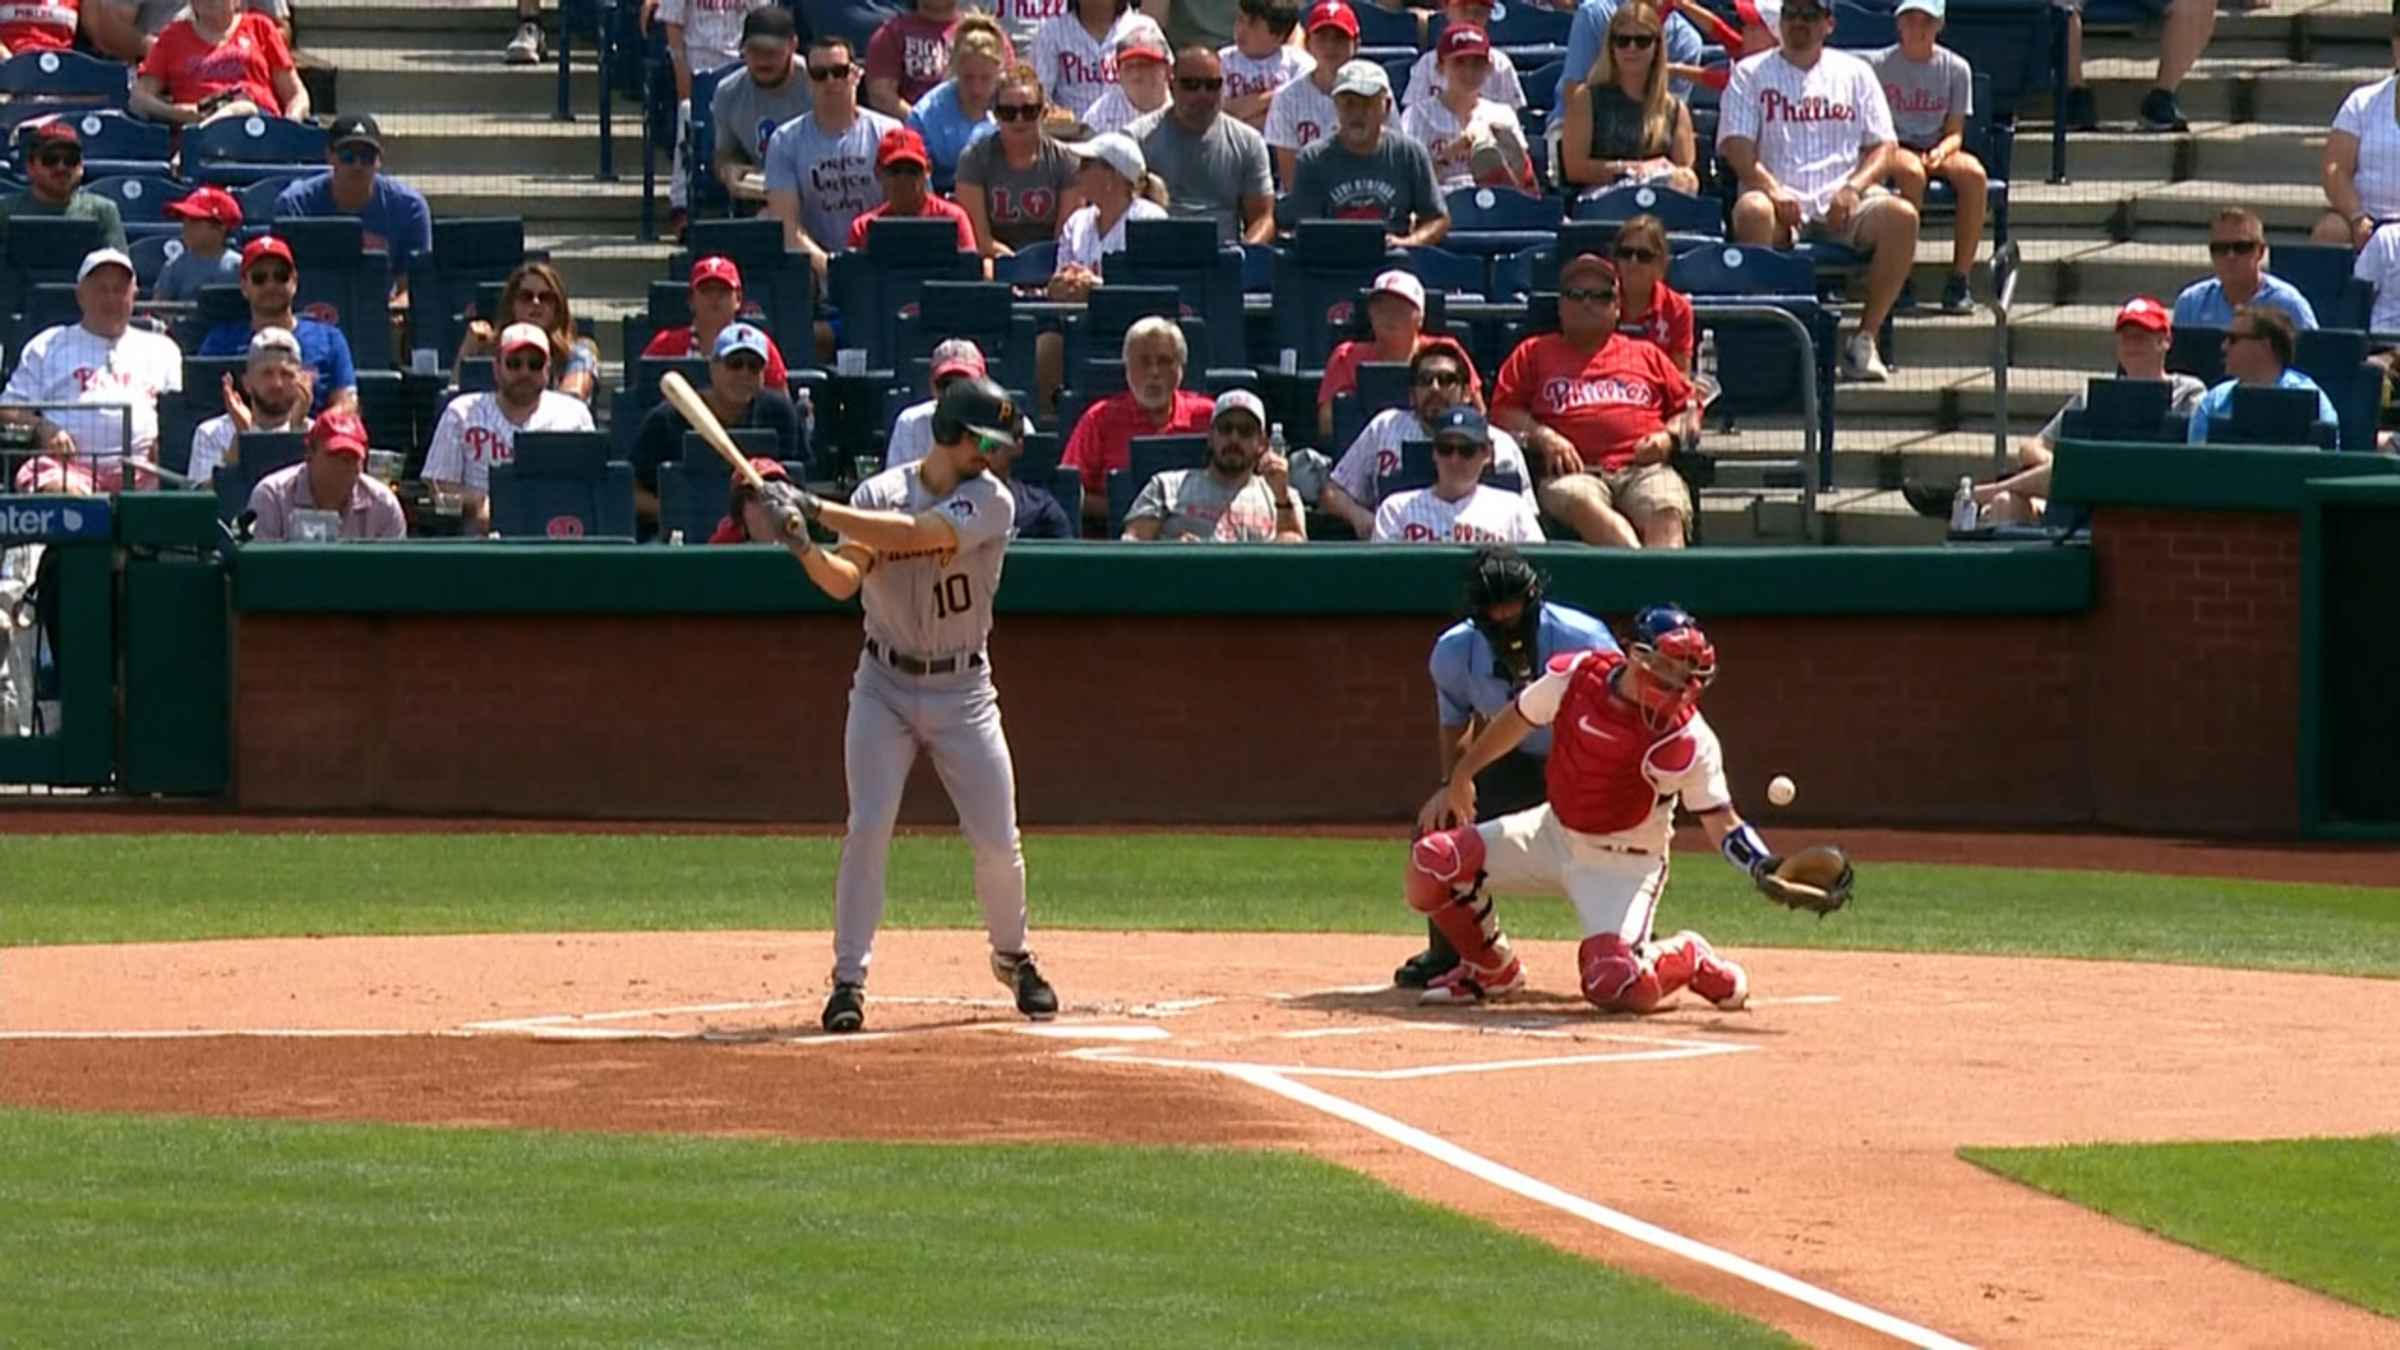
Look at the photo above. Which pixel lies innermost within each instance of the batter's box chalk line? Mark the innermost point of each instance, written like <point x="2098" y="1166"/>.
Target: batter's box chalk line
<point x="1651" y="1050"/>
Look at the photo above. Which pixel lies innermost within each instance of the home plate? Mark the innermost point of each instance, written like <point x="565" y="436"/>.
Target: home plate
<point x="1088" y="1032"/>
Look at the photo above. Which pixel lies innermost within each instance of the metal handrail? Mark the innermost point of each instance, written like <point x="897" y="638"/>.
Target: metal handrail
<point x="2005" y="270"/>
<point x="13" y="458"/>
<point x="1810" y="472"/>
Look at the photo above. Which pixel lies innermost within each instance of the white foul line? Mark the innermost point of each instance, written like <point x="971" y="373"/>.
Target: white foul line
<point x="1669" y="1050"/>
<point x="1541" y="1192"/>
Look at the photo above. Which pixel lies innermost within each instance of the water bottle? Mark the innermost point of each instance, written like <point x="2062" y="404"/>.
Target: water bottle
<point x="675" y="538"/>
<point x="1707" y="363"/>
<point x="1278" y="444"/>
<point x="1962" y="506"/>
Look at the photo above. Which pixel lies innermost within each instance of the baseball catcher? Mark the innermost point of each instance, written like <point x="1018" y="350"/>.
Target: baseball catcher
<point x="1628" y="742"/>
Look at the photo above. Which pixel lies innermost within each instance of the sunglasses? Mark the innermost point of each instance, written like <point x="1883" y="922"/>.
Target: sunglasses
<point x="1457" y="449"/>
<point x="1638" y="255"/>
<point x="59" y="159"/>
<point x="1803" y="15"/>
<point x="2233" y="248"/>
<point x="749" y="363"/>
<point x="539" y="297"/>
<point x="1193" y="84"/>
<point x="907" y="168"/>
<point x="522" y="364"/>
<point x="2239" y="336"/>
<point x="1638" y="41"/>
<point x="270" y="276"/>
<point x="1440" y="379"/>
<point x="823" y="73"/>
<point x="1017" y="112"/>
<point x="1241" y="428"/>
<point x="355" y="155"/>
<point x="1590" y="297"/>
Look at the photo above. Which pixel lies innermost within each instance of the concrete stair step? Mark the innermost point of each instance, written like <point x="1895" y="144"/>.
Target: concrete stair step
<point x="383" y="16"/>
<point x="508" y="143"/>
<point x="2225" y="89"/>
<point x="1877" y="518"/>
<point x="464" y="78"/>
<point x="1955" y="397"/>
<point x="559" y="198"/>
<point x="2242" y="152"/>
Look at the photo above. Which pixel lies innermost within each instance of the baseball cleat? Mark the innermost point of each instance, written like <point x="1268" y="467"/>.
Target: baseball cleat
<point x="1424" y="968"/>
<point x="1035" y="998"/>
<point x="846" y="1010"/>
<point x="1716" y="979"/>
<point x="1464" y="985"/>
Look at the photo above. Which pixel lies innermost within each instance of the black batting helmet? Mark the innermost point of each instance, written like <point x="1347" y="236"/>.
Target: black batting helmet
<point x="975" y="407"/>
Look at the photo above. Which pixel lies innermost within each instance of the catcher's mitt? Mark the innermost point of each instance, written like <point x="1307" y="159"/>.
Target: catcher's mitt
<point x="1817" y="879"/>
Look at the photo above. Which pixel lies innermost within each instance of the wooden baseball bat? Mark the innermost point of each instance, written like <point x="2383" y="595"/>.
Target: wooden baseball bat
<point x="678" y="391"/>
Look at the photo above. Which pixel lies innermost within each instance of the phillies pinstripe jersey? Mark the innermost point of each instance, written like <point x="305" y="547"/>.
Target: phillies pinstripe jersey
<point x="1809" y="125"/>
<point x="1486" y="515"/>
<point x="475" y="434"/>
<point x="73" y="364"/>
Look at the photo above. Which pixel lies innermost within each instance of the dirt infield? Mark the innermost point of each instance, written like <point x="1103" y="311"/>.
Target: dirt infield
<point x="1797" y="1160"/>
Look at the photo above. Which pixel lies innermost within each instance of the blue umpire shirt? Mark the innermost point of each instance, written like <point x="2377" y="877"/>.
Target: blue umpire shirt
<point x="1466" y="678"/>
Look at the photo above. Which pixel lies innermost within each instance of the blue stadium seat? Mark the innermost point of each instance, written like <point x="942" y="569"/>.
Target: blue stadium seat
<point x="150" y="253"/>
<point x="694" y="489"/>
<point x="1693" y="219"/>
<point x="256" y="454"/>
<point x="36" y="84"/>
<point x="704" y="193"/>
<point x="2321" y="272"/>
<point x="139" y="200"/>
<point x="1992" y="140"/>
<point x="343" y="282"/>
<point x="2272" y="417"/>
<point x="1381" y="385"/>
<point x="466" y="252"/>
<point x="258" y="197"/>
<point x="777" y="282"/>
<point x="116" y="143"/>
<point x="1741" y="269"/>
<point x="1541" y="86"/>
<point x="243" y="150"/>
<point x="40" y="249"/>
<point x="978" y="311"/>
<point x="2198" y="352"/>
<point x="1030" y="266"/>
<point x="1317" y="281"/>
<point x="1185" y="254"/>
<point x="562" y="485"/>
<point x="1096" y="337"/>
<point x="2336" y="358"/>
<point x="1150" y="456"/>
<point x="1417" y="471"/>
<point x="1380" y="27"/>
<point x="1493" y="221"/>
<point x="874" y="284"/>
<point x="1444" y="272"/>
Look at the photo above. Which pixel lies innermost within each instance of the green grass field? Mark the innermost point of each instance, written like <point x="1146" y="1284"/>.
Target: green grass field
<point x="170" y="887"/>
<point x="2317" y="1212"/>
<point x="185" y="1232"/>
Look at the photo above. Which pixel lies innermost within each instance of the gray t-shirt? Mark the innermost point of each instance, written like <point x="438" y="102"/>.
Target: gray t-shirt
<point x="1197" y="502"/>
<point x="834" y="175"/>
<point x="187" y="272"/>
<point x="747" y="114"/>
<point x="1924" y="94"/>
<point x="2183" y="395"/>
<point x="1022" y="204"/>
<point x="1394" y="183"/>
<point x="1207" y="174"/>
<point x="937" y="602"/>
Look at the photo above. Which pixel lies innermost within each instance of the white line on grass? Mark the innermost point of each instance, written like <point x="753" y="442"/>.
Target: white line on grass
<point x="1541" y="1192"/>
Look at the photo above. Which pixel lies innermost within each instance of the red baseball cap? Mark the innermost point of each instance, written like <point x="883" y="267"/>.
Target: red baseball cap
<point x="53" y="131"/>
<point x="2145" y="313"/>
<point x="769" y="469"/>
<point x="902" y="146"/>
<point x="208" y="203"/>
<point x="1332" y="14"/>
<point x="717" y="267"/>
<point x="1461" y="39"/>
<point x="266" y="246"/>
<point x="341" y="433"/>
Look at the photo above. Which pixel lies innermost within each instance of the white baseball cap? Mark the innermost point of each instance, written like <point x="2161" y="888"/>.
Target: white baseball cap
<point x="1118" y="151"/>
<point x="274" y="341"/>
<point x="523" y="335"/>
<point x="1239" y="400"/>
<point x="103" y="257"/>
<point x="1362" y="77"/>
<point x="1402" y="284"/>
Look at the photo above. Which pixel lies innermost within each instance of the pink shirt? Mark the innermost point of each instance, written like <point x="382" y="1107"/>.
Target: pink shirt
<point x="373" y="512"/>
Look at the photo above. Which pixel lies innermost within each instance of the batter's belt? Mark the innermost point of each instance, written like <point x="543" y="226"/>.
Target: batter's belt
<point x="914" y="665"/>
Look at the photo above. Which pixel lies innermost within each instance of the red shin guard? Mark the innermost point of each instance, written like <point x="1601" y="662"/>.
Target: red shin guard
<point x="1444" y="870"/>
<point x="1619" y="977"/>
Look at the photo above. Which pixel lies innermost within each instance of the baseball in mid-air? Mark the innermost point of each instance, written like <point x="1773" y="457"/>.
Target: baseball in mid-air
<point x="1781" y="789"/>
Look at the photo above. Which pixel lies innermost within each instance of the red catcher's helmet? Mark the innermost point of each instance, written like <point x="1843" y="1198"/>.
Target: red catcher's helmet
<point x="1672" y="661"/>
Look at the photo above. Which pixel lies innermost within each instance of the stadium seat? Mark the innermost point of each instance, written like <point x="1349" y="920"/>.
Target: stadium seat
<point x="1417" y="471"/>
<point x="140" y="200"/>
<point x="562" y="485"/>
<point x="1380" y="27"/>
<point x="2336" y="358"/>
<point x="694" y="488"/>
<point x="256" y="454"/>
<point x="1447" y="273"/>
<point x="466" y="252"/>
<point x="1318" y="279"/>
<point x="234" y="151"/>
<point x="1097" y="335"/>
<point x="704" y="192"/>
<point x="874" y="284"/>
<point x="1689" y="219"/>
<point x="1381" y="385"/>
<point x="777" y="282"/>
<point x="1030" y="266"/>
<point x="1149" y="457"/>
<point x="2199" y="352"/>
<point x="342" y="282"/>
<point x="1991" y="139"/>
<point x="1186" y="255"/>
<point x="2272" y="417"/>
<point x="1492" y="221"/>
<point x="116" y="143"/>
<point x="979" y="311"/>
<point x="40" y="249"/>
<point x="2321" y="272"/>
<point x="150" y="253"/>
<point x="36" y="84"/>
<point x="258" y="198"/>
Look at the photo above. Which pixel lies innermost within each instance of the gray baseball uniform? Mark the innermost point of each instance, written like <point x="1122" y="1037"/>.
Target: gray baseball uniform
<point x="929" y="608"/>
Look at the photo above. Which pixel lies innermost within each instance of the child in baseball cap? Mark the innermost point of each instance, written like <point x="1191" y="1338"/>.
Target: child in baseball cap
<point x="210" y="217"/>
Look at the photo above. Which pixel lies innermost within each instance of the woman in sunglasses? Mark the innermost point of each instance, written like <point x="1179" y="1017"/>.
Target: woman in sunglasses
<point x="1074" y="52"/>
<point x="1018" y="186"/>
<point x="1647" y="307"/>
<point x="959" y="110"/>
<point x="1623" y="125"/>
<point x="536" y="294"/>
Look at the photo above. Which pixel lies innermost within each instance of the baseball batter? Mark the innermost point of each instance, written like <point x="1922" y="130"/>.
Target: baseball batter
<point x="921" y="545"/>
<point x="1627" y="743"/>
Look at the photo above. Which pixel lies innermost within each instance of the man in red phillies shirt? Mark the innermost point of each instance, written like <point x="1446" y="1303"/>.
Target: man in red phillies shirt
<point x="1154" y="403"/>
<point x="39" y="26"/>
<point x="1592" y="407"/>
<point x="716" y="302"/>
<point x="905" y="169"/>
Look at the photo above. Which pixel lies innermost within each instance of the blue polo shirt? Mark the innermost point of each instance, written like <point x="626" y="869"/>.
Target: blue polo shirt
<point x="946" y="127"/>
<point x="322" y="346"/>
<point x="396" y="218"/>
<point x="1466" y="676"/>
<point x="2218" y="403"/>
<point x="2203" y="303"/>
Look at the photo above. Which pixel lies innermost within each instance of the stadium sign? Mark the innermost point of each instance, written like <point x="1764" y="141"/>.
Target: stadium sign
<point x="53" y="519"/>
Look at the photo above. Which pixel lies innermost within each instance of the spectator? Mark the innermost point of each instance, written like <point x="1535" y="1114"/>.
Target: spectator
<point x="127" y="29"/>
<point x="525" y="46"/>
<point x="44" y="26"/>
<point x="2258" y="355"/>
<point x="2185" y="35"/>
<point x="1622" y="123"/>
<point x="769" y="90"/>
<point x="1931" y="92"/>
<point x="333" y="477"/>
<point x="737" y="393"/>
<point x="831" y="149"/>
<point x="1438" y="381"/>
<point x="2378" y="265"/>
<point x="912" y="432"/>
<point x="1243" y="496"/>
<point x="1473" y="140"/>
<point x="1589" y="35"/>
<point x="479" y="430"/>
<point x="210" y="215"/>
<point x="700" y="35"/>
<point x="1261" y="59"/>
<point x="1460" y="508"/>
<point x="103" y="361"/>
<point x="1395" y="332"/>
<point x="1364" y="172"/>
<point x="1809" y="137"/>
<point x="392" y="216"/>
<point x="1075" y="51"/>
<point x="910" y="54"/>
<point x="1141" y="87"/>
<point x="1592" y="406"/>
<point x="273" y="397"/>
<point x="1426" y="81"/>
<point x="716" y="299"/>
<point x="2362" y="161"/>
<point x="1212" y="165"/>
<point x="54" y="182"/>
<point x="1018" y="187"/>
<point x="2144" y="333"/>
<point x="1117" y="186"/>
<point x="1301" y="113"/>
<point x="1039" y="512"/>
<point x="1647" y="307"/>
<point x="2237" y="252"/>
<point x="218" y="61"/>
<point x="535" y="293"/>
<point x="1754" y="34"/>
<point x="269" y="281"/>
<point x="958" y="112"/>
<point x="903" y="166"/>
<point x="1154" y="403"/>
<point x="747" y="518"/>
